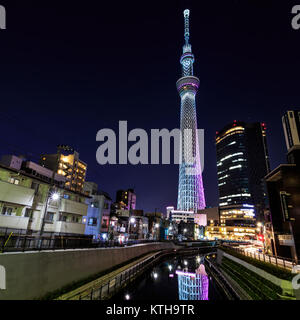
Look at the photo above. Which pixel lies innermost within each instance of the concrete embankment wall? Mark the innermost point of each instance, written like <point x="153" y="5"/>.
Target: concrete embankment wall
<point x="285" y="285"/>
<point x="31" y="275"/>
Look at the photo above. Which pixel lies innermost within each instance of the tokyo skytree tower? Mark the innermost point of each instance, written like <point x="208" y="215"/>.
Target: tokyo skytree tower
<point x="190" y="187"/>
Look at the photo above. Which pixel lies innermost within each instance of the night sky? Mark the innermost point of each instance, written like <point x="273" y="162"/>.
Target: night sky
<point x="71" y="68"/>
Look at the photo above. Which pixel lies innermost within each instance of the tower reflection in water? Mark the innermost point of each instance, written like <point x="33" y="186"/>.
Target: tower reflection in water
<point x="193" y="286"/>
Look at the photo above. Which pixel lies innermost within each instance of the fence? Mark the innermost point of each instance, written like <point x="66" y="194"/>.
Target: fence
<point x="10" y="242"/>
<point x="104" y="291"/>
<point x="285" y="263"/>
<point x="114" y="285"/>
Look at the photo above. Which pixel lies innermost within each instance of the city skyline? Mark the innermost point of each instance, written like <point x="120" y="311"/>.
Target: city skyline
<point x="118" y="185"/>
<point x="61" y="88"/>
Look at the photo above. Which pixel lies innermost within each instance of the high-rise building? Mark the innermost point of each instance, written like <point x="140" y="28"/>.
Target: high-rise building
<point x="190" y="188"/>
<point x="291" y="128"/>
<point x="282" y="228"/>
<point x="242" y="163"/>
<point x="126" y="199"/>
<point x="68" y="165"/>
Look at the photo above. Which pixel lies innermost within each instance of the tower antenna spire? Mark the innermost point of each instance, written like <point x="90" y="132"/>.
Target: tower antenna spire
<point x="186" y="14"/>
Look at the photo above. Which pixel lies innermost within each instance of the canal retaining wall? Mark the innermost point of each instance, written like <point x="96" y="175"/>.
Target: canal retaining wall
<point x="285" y="285"/>
<point x="31" y="275"/>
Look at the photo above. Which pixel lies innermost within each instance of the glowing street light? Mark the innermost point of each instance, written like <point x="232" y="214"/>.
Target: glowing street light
<point x="156" y="225"/>
<point x="132" y="220"/>
<point x="55" y="196"/>
<point x="127" y="296"/>
<point x="170" y="267"/>
<point x="155" y="275"/>
<point x="259" y="224"/>
<point x="185" y="263"/>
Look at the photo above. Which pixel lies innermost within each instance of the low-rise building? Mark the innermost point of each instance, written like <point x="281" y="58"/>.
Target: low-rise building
<point x="31" y="204"/>
<point x="98" y="213"/>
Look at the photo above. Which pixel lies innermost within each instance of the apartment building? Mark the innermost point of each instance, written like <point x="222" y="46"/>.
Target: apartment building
<point x="30" y="202"/>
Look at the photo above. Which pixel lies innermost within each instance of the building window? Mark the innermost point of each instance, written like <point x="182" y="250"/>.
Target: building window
<point x="49" y="217"/>
<point x="28" y="213"/>
<point x="63" y="218"/>
<point x="92" y="222"/>
<point x="104" y="223"/>
<point x="7" y="211"/>
<point x="35" y="186"/>
<point x="66" y="196"/>
<point x="14" y="181"/>
<point x="75" y="219"/>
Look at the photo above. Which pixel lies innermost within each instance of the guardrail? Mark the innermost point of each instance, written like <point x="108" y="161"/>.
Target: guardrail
<point x="19" y="243"/>
<point x="285" y="263"/>
<point x="109" y="288"/>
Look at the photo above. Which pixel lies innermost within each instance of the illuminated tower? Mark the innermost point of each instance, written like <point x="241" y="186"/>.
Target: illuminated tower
<point x="190" y="188"/>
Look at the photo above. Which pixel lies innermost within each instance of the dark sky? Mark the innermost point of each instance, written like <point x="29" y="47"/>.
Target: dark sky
<point x="71" y="68"/>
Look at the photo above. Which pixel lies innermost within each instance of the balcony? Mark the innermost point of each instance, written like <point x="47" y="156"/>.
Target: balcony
<point x="17" y="194"/>
<point x="69" y="206"/>
<point x="69" y="227"/>
<point x="13" y="222"/>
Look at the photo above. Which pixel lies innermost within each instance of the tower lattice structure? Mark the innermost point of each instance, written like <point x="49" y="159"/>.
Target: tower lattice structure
<point x="190" y="187"/>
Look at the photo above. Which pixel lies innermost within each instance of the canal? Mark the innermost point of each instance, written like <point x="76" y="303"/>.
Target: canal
<point x="181" y="277"/>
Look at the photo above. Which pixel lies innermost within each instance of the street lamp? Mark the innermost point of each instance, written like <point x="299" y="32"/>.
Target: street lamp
<point x="54" y="196"/>
<point x="131" y="220"/>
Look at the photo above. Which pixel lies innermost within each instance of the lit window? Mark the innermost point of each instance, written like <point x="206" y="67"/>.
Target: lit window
<point x="14" y="181"/>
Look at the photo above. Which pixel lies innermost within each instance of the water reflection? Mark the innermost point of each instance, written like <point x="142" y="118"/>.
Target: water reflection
<point x="175" y="278"/>
<point x="193" y="285"/>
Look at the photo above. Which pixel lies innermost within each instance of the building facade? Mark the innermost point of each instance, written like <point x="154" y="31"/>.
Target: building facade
<point x="177" y="216"/>
<point x="98" y="213"/>
<point x="68" y="165"/>
<point x="27" y="205"/>
<point x="190" y="186"/>
<point x="126" y="199"/>
<point x="283" y="227"/>
<point x="291" y="128"/>
<point x="242" y="163"/>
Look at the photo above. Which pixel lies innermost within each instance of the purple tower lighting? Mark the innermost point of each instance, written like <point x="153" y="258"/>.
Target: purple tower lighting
<point x="190" y="188"/>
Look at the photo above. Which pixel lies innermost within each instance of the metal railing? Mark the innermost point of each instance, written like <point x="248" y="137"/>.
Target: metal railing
<point x="281" y="262"/>
<point x="12" y="242"/>
<point x="109" y="288"/>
